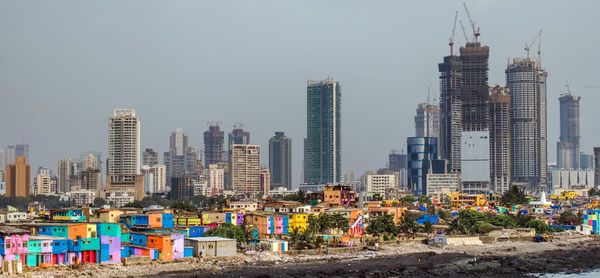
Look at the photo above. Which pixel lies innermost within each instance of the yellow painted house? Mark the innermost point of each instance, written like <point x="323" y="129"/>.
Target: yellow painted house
<point x="297" y="221"/>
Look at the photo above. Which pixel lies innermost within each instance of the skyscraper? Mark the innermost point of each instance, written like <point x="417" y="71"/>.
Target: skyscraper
<point x="213" y="144"/>
<point x="124" y="155"/>
<point x="474" y="86"/>
<point x="499" y="121"/>
<point x="568" y="147"/>
<point x="398" y="162"/>
<point x="526" y="82"/>
<point x="244" y="166"/>
<point x="181" y="159"/>
<point x="324" y="139"/>
<point x="450" y="110"/>
<point x="427" y="120"/>
<point x="422" y="151"/>
<point x="597" y="166"/>
<point x="150" y="157"/>
<point x="64" y="169"/>
<point x="280" y="160"/>
<point x="238" y="136"/>
<point x="17" y="178"/>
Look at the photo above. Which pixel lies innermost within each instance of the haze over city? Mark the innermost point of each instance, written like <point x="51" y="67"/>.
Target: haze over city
<point x="67" y="64"/>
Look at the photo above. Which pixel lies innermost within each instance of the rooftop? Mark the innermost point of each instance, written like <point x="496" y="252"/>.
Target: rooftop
<point x="209" y="238"/>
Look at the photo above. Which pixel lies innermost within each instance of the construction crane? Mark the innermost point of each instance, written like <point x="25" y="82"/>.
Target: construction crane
<point x="475" y="29"/>
<point x="451" y="40"/>
<point x="463" y="31"/>
<point x="528" y="46"/>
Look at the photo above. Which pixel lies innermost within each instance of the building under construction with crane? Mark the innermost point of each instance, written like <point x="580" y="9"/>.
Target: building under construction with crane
<point x="464" y="105"/>
<point x="526" y="81"/>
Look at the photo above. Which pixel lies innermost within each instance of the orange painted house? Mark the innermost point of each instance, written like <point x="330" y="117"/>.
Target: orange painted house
<point x="163" y="243"/>
<point x="77" y="231"/>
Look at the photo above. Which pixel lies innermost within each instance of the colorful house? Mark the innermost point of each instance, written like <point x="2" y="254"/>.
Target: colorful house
<point x="110" y="242"/>
<point x="13" y="244"/>
<point x="297" y="221"/>
<point x="70" y="214"/>
<point x="268" y="225"/>
<point x="591" y="219"/>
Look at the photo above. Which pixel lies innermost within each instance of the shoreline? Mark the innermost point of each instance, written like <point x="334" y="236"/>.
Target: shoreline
<point x="571" y="254"/>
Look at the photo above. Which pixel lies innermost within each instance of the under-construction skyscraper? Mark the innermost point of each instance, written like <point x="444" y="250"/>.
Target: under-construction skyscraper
<point x="568" y="146"/>
<point x="526" y="82"/>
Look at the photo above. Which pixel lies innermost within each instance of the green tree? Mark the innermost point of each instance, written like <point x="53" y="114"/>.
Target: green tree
<point x="382" y="225"/>
<point x="184" y="206"/>
<point x="502" y="220"/>
<point x="539" y="226"/>
<point x="514" y="196"/>
<point x="134" y="204"/>
<point x="445" y="215"/>
<point x="408" y="223"/>
<point x="568" y="217"/>
<point x="228" y="230"/>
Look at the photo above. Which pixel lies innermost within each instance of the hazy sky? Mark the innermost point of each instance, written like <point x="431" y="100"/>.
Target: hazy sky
<point x="65" y="65"/>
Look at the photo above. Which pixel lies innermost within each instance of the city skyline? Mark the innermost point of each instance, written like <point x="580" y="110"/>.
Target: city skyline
<point x="398" y="87"/>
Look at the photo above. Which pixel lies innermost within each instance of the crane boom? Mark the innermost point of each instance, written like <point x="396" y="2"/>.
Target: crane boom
<point x="475" y="29"/>
<point x="451" y="41"/>
<point x="463" y="31"/>
<point x="528" y="46"/>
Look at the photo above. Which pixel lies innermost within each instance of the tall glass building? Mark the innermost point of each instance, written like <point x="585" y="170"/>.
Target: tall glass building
<point x="324" y="141"/>
<point x="422" y="152"/>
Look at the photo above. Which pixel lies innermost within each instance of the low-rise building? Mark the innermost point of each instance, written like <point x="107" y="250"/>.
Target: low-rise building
<point x="212" y="246"/>
<point x="442" y="184"/>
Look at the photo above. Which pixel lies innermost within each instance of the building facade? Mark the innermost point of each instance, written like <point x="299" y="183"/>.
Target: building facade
<point x="442" y="184"/>
<point x="568" y="147"/>
<point x="150" y="157"/>
<point x="280" y="160"/>
<point x="43" y="182"/>
<point x="586" y="161"/>
<point x="124" y="156"/>
<point x="17" y="178"/>
<point x="450" y="111"/>
<point x="474" y="86"/>
<point x="64" y="171"/>
<point x="378" y="184"/>
<point x="422" y="151"/>
<point x="213" y="144"/>
<point x="215" y="179"/>
<point x="324" y="132"/>
<point x="244" y="166"/>
<point x="427" y="120"/>
<point x="597" y="167"/>
<point x="475" y="160"/>
<point x="571" y="179"/>
<point x="499" y="125"/>
<point x="526" y="82"/>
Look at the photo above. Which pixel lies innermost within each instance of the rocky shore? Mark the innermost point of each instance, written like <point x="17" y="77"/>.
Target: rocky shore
<point x="501" y="259"/>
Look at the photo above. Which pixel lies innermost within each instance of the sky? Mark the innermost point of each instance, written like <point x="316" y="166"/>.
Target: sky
<point x="65" y="65"/>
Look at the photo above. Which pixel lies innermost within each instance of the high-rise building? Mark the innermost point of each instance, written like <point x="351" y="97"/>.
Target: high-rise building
<point x="244" y="166"/>
<point x="450" y="110"/>
<point x="324" y="132"/>
<point x="427" y="120"/>
<point x="159" y="178"/>
<point x="499" y="121"/>
<point x="597" y="167"/>
<point x="238" y="136"/>
<point x="526" y="82"/>
<point x="2" y="161"/>
<point x="474" y="86"/>
<point x="181" y="159"/>
<point x="150" y="157"/>
<point x="215" y="179"/>
<point x="265" y="181"/>
<point x="475" y="160"/>
<point x="586" y="161"/>
<point x="280" y="160"/>
<point x="13" y="151"/>
<point x="398" y="162"/>
<point x="17" y="178"/>
<point x="379" y="183"/>
<point x="568" y="147"/>
<point x="182" y="187"/>
<point x="421" y="151"/>
<point x="64" y="169"/>
<point x="43" y="182"/>
<point x="124" y="155"/>
<point x="89" y="174"/>
<point x="213" y="144"/>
